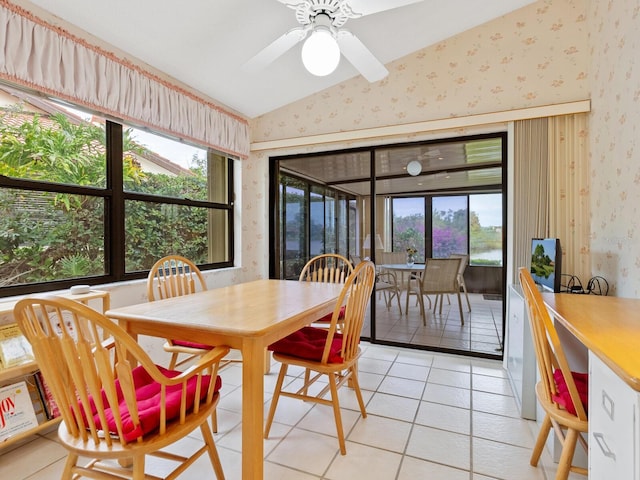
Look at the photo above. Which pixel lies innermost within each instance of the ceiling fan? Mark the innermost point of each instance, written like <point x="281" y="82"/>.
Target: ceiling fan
<point x="322" y="22"/>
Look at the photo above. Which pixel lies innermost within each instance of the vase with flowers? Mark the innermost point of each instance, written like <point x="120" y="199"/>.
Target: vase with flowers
<point x="411" y="256"/>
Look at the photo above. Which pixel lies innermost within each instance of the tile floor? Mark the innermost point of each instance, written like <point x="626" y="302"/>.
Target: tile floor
<point x="481" y="332"/>
<point x="435" y="416"/>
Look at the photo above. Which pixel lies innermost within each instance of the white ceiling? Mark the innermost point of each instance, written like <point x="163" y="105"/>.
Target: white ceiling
<point x="204" y="43"/>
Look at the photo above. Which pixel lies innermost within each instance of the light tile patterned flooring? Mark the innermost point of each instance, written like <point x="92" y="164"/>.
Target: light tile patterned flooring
<point x="430" y="415"/>
<point x="481" y="332"/>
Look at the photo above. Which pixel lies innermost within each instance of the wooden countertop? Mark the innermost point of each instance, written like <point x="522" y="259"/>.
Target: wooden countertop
<point x="608" y="326"/>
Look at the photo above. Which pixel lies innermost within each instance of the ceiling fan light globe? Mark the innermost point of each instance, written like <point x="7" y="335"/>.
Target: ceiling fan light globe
<point x="320" y="53"/>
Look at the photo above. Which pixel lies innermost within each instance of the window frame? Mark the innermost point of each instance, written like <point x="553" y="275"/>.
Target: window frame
<point x="114" y="197"/>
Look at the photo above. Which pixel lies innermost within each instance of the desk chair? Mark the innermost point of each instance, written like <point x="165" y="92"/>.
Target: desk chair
<point x="328" y="352"/>
<point x="114" y="412"/>
<point x="562" y="394"/>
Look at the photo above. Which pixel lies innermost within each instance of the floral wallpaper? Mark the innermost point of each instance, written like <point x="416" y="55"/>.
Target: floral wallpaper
<point x="614" y="42"/>
<point x="534" y="56"/>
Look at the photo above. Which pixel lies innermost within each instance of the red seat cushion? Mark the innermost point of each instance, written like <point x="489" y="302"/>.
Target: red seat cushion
<point x="328" y="316"/>
<point x="308" y="343"/>
<point x="184" y="343"/>
<point x="148" y="396"/>
<point x="564" y="398"/>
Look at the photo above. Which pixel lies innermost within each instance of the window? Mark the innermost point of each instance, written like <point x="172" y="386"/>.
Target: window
<point x="312" y="220"/>
<point x="82" y="197"/>
<point x="409" y="225"/>
<point x="449" y="225"/>
<point x="459" y="224"/>
<point x="485" y="229"/>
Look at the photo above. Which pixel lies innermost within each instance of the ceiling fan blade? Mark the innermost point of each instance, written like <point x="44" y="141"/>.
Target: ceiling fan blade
<point x="360" y="56"/>
<point x="275" y="49"/>
<point x="367" y="7"/>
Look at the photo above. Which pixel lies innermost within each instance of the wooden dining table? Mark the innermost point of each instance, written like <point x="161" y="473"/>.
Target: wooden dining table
<point x="246" y="316"/>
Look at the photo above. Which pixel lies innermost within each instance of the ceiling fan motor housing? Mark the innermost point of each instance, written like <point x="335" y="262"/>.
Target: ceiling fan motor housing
<point x="338" y="11"/>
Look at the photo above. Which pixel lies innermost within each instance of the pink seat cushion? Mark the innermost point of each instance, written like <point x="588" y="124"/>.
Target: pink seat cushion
<point x="327" y="317"/>
<point x="184" y="343"/>
<point x="148" y="396"/>
<point x="564" y="398"/>
<point x="308" y="343"/>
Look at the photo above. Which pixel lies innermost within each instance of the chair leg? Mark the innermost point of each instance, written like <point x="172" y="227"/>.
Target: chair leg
<point x="422" y="312"/>
<point x="460" y="308"/>
<point x="356" y="387"/>
<point x="466" y="294"/>
<point x="212" y="450"/>
<point x="545" y="428"/>
<point x="566" y="457"/>
<point x="137" y="472"/>
<point x="336" y="412"/>
<point x="214" y="421"/>
<point x="397" y="294"/>
<point x="274" y="400"/>
<point x="72" y="461"/>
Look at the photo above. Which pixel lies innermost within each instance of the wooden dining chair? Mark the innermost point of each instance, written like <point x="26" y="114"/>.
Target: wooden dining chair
<point x="327" y="268"/>
<point x="329" y="352"/>
<point x="562" y="394"/>
<point x="439" y="278"/>
<point x="117" y="406"/>
<point x="174" y="276"/>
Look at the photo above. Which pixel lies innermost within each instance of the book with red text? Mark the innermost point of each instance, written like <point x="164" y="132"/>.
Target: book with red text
<point x="17" y="414"/>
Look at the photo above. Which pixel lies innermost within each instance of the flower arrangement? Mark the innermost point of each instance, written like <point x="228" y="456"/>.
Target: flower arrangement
<point x="411" y="250"/>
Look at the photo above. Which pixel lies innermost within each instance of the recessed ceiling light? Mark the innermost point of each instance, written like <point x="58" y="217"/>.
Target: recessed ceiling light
<point x="414" y="168"/>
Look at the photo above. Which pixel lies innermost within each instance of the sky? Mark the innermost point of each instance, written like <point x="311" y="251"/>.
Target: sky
<point x="173" y="150"/>
<point x="177" y="152"/>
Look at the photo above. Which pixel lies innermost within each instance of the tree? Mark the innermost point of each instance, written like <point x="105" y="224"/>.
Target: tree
<point x="51" y="236"/>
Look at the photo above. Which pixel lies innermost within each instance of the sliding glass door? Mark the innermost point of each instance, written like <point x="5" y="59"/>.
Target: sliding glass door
<point x="367" y="203"/>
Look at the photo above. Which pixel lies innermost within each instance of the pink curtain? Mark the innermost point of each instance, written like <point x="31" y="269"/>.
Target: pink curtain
<point x="47" y="58"/>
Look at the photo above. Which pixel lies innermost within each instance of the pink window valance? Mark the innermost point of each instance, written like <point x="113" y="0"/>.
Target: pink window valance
<point x="47" y="58"/>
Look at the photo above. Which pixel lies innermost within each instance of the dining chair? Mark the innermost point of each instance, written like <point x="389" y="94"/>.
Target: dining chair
<point x="387" y="285"/>
<point x="439" y="278"/>
<point x="562" y="394"/>
<point x="464" y="261"/>
<point x="174" y="276"/>
<point x="117" y="406"/>
<point x="329" y="352"/>
<point x="326" y="268"/>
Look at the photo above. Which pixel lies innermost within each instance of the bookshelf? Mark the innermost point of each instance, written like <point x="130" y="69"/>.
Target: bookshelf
<point x="18" y="372"/>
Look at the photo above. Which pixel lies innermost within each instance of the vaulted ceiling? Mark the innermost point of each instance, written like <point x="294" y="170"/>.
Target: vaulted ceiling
<point x="205" y="43"/>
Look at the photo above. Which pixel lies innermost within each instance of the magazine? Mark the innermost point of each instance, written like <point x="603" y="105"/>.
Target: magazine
<point x="16" y="410"/>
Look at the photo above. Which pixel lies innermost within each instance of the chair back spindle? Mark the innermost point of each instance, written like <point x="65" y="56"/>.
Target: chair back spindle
<point x="326" y="268"/>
